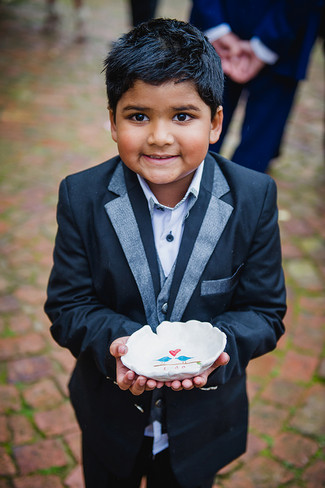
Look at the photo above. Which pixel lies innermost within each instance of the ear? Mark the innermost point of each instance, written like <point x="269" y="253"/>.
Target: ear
<point x="216" y="126"/>
<point x="113" y="125"/>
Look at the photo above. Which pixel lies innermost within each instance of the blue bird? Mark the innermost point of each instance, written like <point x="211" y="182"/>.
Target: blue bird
<point x="164" y="359"/>
<point x="184" y="358"/>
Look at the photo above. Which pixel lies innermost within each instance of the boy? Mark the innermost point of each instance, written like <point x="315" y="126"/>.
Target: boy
<point x="164" y="231"/>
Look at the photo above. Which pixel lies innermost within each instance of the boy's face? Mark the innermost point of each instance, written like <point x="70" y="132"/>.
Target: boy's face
<point x="163" y="133"/>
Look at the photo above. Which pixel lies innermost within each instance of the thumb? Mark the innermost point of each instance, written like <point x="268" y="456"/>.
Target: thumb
<point x="118" y="347"/>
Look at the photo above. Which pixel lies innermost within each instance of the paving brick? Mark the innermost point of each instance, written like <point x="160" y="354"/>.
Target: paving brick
<point x="239" y="479"/>
<point x="314" y="475"/>
<point x="29" y="369"/>
<point x="65" y="358"/>
<point x="57" y="421"/>
<point x="253" y="388"/>
<point x="291" y="251"/>
<point x="10" y="399"/>
<point x="321" y="369"/>
<point x="30" y="294"/>
<point x="21" y="428"/>
<point x="41" y="455"/>
<point x="262" y="366"/>
<point x="283" y="391"/>
<point x="4" y="432"/>
<point x="43" y="394"/>
<point x="294" y="449"/>
<point x="309" y="418"/>
<point x="7" y="467"/>
<point x="263" y="472"/>
<point x="12" y="347"/>
<point x="298" y="367"/>
<point x="305" y="274"/>
<point x="308" y="335"/>
<point x="313" y="304"/>
<point x="267" y="419"/>
<point x="254" y="446"/>
<point x="5" y="484"/>
<point x="75" y="478"/>
<point x="20" y="323"/>
<point x="74" y="442"/>
<point x="8" y="303"/>
<point x="62" y="381"/>
<point x="297" y="227"/>
<point x="38" y="481"/>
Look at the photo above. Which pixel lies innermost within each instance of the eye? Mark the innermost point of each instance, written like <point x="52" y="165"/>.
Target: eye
<point x="139" y="117"/>
<point x="182" y="117"/>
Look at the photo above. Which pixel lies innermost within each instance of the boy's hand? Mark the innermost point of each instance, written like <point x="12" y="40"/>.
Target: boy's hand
<point x="201" y="380"/>
<point x="127" y="379"/>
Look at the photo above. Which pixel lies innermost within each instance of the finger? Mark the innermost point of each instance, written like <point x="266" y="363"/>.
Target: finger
<point x="222" y="360"/>
<point x="151" y="384"/>
<point x="139" y="385"/>
<point x="118" y="347"/>
<point x="176" y="385"/>
<point x="126" y="380"/>
<point x="187" y="384"/>
<point x="200" y="381"/>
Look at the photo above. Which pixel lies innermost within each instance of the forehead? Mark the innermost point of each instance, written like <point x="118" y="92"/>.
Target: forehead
<point x="162" y="95"/>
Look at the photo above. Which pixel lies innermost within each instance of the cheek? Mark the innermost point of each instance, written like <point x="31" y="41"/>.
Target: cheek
<point x="196" y="145"/>
<point x="127" y="143"/>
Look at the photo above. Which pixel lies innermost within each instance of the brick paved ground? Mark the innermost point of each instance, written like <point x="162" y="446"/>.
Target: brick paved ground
<point x="54" y="122"/>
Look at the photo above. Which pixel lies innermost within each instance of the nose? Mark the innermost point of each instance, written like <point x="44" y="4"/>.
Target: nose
<point x="160" y="134"/>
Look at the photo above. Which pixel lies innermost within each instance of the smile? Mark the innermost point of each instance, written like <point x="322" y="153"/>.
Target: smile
<point x="159" y="157"/>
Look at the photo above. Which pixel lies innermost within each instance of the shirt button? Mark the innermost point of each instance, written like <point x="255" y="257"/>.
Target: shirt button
<point x="170" y="237"/>
<point x="158" y="403"/>
<point x="164" y="308"/>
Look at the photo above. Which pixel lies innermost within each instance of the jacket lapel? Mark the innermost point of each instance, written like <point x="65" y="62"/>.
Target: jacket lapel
<point x="200" y="236"/>
<point x="125" y="225"/>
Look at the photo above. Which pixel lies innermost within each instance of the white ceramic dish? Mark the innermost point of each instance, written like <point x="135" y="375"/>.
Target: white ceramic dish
<point x="177" y="350"/>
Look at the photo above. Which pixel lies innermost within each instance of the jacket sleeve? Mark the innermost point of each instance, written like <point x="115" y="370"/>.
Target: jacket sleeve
<point x="206" y="14"/>
<point x="254" y="324"/>
<point x="80" y="322"/>
<point x="286" y="23"/>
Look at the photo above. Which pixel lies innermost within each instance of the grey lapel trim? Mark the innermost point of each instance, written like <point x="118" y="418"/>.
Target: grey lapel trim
<point x="214" y="222"/>
<point x="124" y="222"/>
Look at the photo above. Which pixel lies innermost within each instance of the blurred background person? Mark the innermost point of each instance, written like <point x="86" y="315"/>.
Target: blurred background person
<point x="142" y="10"/>
<point x="53" y="18"/>
<point x="264" y="46"/>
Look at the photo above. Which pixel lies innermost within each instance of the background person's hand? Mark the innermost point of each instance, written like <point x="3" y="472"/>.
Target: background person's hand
<point x="238" y="59"/>
<point x="227" y="45"/>
<point x="245" y="66"/>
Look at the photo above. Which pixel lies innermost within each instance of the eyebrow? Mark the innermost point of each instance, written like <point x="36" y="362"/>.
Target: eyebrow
<point x="134" y="107"/>
<point x="185" y="108"/>
<point x="182" y="108"/>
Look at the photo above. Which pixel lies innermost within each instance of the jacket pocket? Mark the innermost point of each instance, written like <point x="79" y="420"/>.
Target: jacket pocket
<point x="225" y="285"/>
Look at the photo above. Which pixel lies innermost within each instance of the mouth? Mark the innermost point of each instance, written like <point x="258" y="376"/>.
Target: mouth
<point x="160" y="158"/>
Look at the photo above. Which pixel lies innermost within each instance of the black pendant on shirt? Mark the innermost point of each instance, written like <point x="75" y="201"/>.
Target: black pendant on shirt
<point x="170" y="237"/>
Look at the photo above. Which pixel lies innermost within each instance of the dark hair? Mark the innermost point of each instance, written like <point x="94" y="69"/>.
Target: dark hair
<point x="162" y="50"/>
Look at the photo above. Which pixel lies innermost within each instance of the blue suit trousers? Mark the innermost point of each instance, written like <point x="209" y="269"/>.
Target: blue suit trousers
<point x="268" y="100"/>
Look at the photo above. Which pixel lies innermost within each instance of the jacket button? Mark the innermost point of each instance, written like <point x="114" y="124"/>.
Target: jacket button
<point x="164" y="308"/>
<point x="158" y="403"/>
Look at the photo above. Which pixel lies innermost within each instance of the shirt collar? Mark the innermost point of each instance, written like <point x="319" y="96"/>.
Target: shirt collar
<point x="193" y="190"/>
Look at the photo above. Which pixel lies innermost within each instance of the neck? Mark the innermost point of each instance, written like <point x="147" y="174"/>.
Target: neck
<point x="171" y="194"/>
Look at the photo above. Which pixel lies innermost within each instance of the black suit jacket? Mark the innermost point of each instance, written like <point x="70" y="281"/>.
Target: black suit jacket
<point x="104" y="285"/>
